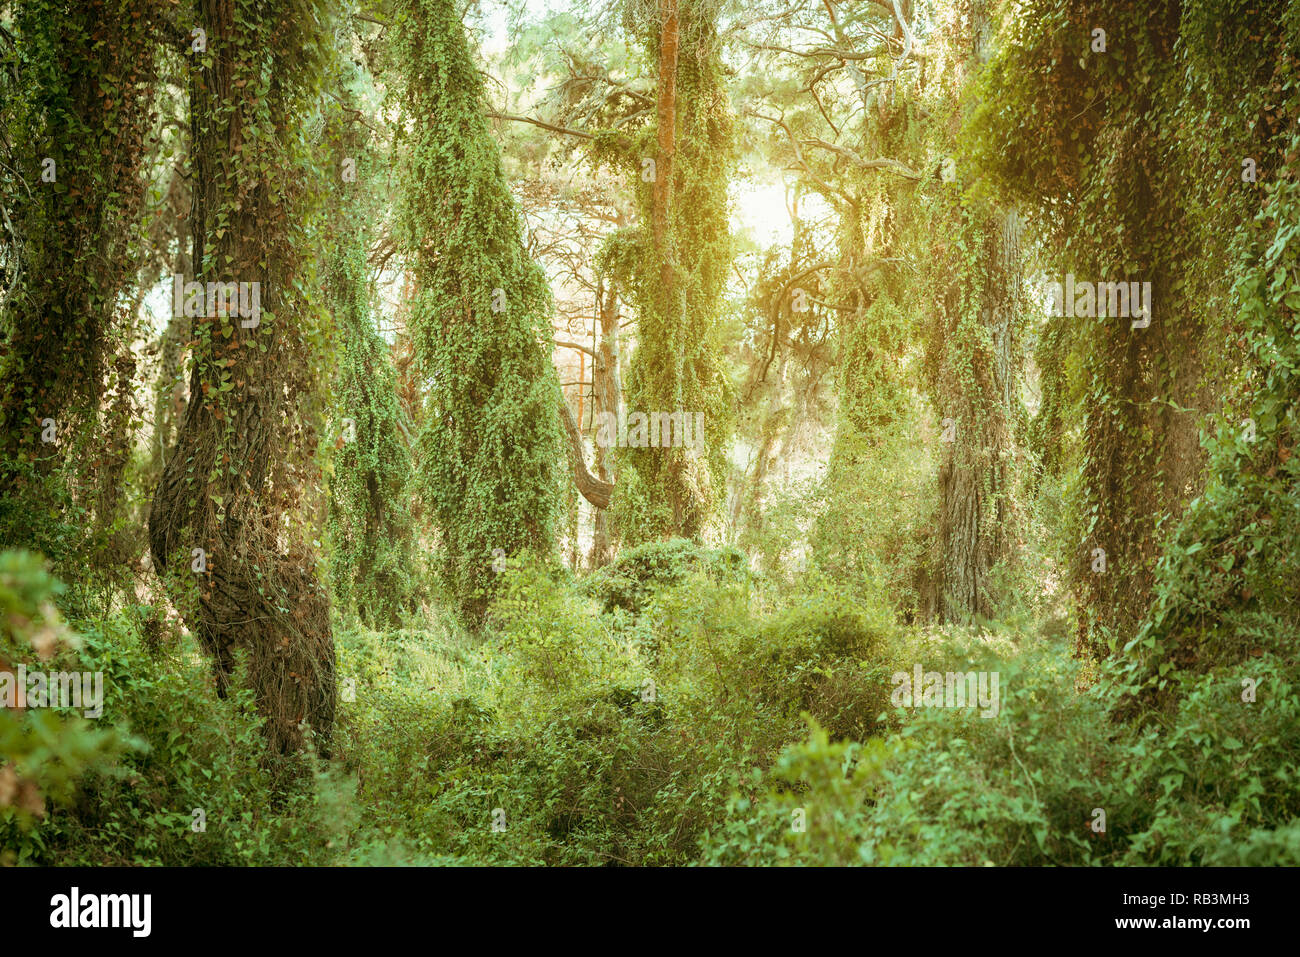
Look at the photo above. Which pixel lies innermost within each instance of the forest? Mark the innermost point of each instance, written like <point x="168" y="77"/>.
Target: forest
<point x="649" y="433"/>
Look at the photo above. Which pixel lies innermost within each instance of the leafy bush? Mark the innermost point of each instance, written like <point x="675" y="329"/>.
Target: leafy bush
<point x="177" y="750"/>
<point x="877" y="511"/>
<point x="42" y="749"/>
<point x="1026" y="788"/>
<point x="722" y="724"/>
<point x="630" y="580"/>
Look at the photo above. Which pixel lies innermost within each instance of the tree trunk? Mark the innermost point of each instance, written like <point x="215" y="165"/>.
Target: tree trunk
<point x="666" y="112"/>
<point x="977" y="391"/>
<point x="594" y="490"/>
<point x="606" y="390"/>
<point x="244" y="451"/>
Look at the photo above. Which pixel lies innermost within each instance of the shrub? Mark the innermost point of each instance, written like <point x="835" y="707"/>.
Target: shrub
<point x="952" y="788"/>
<point x="180" y="750"/>
<point x="631" y="579"/>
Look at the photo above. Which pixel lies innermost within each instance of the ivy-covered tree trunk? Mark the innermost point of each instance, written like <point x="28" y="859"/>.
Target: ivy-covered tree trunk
<point x="979" y="373"/>
<point x="1226" y="587"/>
<point x="491" y="449"/>
<point x="976" y="354"/>
<point x="377" y="571"/>
<point x="1124" y="86"/>
<point x="228" y="527"/>
<point x="79" y="125"/>
<point x="1140" y="452"/>
<point x="684" y="250"/>
<point x="606" y="390"/>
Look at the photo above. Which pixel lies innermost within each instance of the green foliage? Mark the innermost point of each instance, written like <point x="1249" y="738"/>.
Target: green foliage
<point x="823" y="655"/>
<point x="43" y="750"/>
<point x="638" y="573"/>
<point x="684" y="704"/>
<point x="176" y="749"/>
<point x="1226" y="583"/>
<point x="713" y="768"/>
<point x="953" y="789"/>
<point x="38" y="509"/>
<point x="876" y="509"/>
<point x="604" y="738"/>
<point x="674" y="267"/>
<point x="676" y="737"/>
<point x="490" y="449"/>
<point x="72" y="191"/>
<point x="555" y="646"/>
<point x="1071" y="135"/>
<point x="378" y="570"/>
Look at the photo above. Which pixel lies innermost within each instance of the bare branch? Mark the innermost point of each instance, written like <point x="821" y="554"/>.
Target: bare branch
<point x="575" y="345"/>
<point x="894" y="166"/>
<point x="544" y="125"/>
<point x="827" y="188"/>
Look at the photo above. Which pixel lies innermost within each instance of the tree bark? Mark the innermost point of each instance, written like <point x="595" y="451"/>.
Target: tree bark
<point x="244" y="451"/>
<point x="606" y="390"/>
<point x="976" y="478"/>
<point x="666" y="111"/>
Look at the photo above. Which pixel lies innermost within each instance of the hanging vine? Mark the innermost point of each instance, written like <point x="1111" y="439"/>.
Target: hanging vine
<point x="1091" y="135"/>
<point x="79" y="85"/>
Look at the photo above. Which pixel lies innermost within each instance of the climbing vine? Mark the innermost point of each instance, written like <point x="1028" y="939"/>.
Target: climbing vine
<point x="79" y="83"/>
<point x="377" y="571"/>
<point x="490" y="452"/>
<point x="1126" y="139"/>
<point x="234" y="521"/>
<point x="673" y="264"/>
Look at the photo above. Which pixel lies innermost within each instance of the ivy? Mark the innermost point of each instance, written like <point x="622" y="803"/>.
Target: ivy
<point x="490" y="449"/>
<point x="676" y="284"/>
<point x="1129" y="165"/>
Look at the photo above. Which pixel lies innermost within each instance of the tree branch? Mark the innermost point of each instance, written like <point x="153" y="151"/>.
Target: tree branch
<point x="894" y="166"/>
<point x="594" y="490"/>
<point x="544" y="125"/>
<point x="575" y="345"/>
<point x="827" y="188"/>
